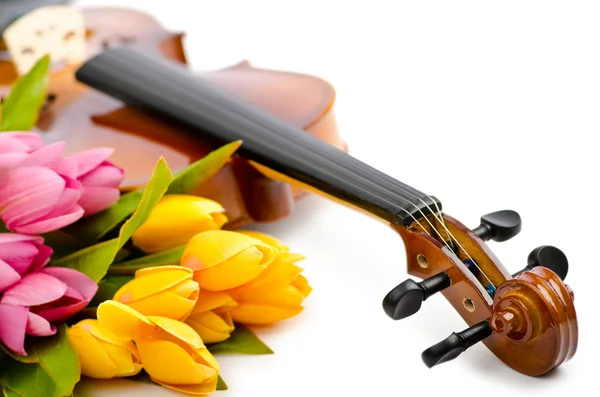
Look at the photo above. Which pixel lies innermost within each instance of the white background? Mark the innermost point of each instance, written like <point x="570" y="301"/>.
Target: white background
<point x="487" y="105"/>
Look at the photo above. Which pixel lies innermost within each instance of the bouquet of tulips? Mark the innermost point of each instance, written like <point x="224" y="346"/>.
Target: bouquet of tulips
<point x="102" y="284"/>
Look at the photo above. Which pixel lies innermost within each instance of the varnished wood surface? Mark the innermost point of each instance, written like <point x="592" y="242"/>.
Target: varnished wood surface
<point x="533" y="316"/>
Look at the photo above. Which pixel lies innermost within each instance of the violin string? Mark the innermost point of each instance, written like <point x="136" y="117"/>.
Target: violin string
<point x="443" y="223"/>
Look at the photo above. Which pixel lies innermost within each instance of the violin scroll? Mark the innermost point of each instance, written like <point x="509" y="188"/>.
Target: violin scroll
<point x="527" y="319"/>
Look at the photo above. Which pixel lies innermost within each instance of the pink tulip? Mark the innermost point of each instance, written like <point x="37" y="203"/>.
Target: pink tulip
<point x="20" y="255"/>
<point x="15" y="146"/>
<point x="40" y="193"/>
<point x="100" y="179"/>
<point x="32" y="305"/>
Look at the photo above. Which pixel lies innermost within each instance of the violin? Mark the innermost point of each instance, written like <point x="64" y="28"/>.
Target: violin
<point x="527" y="318"/>
<point x="86" y="119"/>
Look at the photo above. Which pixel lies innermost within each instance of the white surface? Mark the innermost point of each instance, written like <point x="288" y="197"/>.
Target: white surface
<point x="487" y="106"/>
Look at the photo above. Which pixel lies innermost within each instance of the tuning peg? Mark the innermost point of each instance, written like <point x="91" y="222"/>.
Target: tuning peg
<point x="455" y="344"/>
<point x="405" y="300"/>
<point x="499" y="226"/>
<point x="549" y="257"/>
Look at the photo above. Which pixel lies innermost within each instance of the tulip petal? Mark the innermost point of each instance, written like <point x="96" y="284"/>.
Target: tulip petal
<point x="211" y="248"/>
<point x="34" y="289"/>
<point x="287" y="296"/>
<point x="168" y="363"/>
<point x="13" y="322"/>
<point x="278" y="274"/>
<point x="239" y="269"/>
<point x="262" y="314"/>
<point x="29" y="194"/>
<point x="68" y="199"/>
<point x="8" y="275"/>
<point x="89" y="159"/>
<point x="99" y="332"/>
<point x="209" y="300"/>
<point x="147" y="271"/>
<point x="19" y="254"/>
<point x="62" y="311"/>
<point x="14" y="238"/>
<point x="212" y="327"/>
<point x="151" y="281"/>
<point x="24" y="253"/>
<point x="181" y="331"/>
<point x="95" y="361"/>
<point x="166" y="304"/>
<point x="39" y="326"/>
<point x="95" y="199"/>
<point x="106" y="175"/>
<point x="265" y="238"/>
<point x="207" y="387"/>
<point x="66" y="167"/>
<point x="301" y="284"/>
<point x="56" y="223"/>
<point x="47" y="156"/>
<point x="123" y="321"/>
<point x="75" y="279"/>
<point x="20" y="141"/>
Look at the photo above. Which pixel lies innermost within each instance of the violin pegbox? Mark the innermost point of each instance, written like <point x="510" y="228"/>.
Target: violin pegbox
<point x="527" y="319"/>
<point x="56" y="30"/>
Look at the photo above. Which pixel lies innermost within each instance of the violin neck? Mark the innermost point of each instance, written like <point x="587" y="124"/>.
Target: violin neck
<point x="169" y="90"/>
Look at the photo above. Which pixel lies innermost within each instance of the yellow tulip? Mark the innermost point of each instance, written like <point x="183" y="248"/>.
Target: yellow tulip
<point x="171" y="352"/>
<point x="175" y="220"/>
<point x="211" y="317"/>
<point x="276" y="294"/>
<point x="103" y="355"/>
<point x="167" y="291"/>
<point x="222" y="259"/>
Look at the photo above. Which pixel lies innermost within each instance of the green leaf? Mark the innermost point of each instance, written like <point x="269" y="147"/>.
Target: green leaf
<point x="221" y="385"/>
<point x="108" y="287"/>
<point x="190" y="178"/>
<point x="9" y="393"/>
<point x="241" y="341"/>
<point x="21" y="108"/>
<point x="95" y="260"/>
<point x="54" y="375"/>
<point x="164" y="258"/>
<point x="31" y="357"/>
<point x="95" y="227"/>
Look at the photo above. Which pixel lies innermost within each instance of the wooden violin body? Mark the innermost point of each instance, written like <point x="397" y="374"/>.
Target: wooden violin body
<point x="86" y="119"/>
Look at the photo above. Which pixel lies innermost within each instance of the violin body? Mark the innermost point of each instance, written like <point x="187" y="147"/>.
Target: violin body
<point x="86" y="119"/>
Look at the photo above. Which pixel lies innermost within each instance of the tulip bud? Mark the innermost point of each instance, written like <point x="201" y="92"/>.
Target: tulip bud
<point x="222" y="259"/>
<point x="103" y="355"/>
<point x="167" y="291"/>
<point x="175" y="220"/>
<point x="15" y="146"/>
<point x="171" y="352"/>
<point x="40" y="193"/>
<point x="211" y="318"/>
<point x="276" y="294"/>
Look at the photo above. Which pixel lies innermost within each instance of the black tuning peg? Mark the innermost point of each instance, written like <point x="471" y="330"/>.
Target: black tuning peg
<point x="550" y="257"/>
<point x="499" y="226"/>
<point x="405" y="300"/>
<point x="455" y="344"/>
